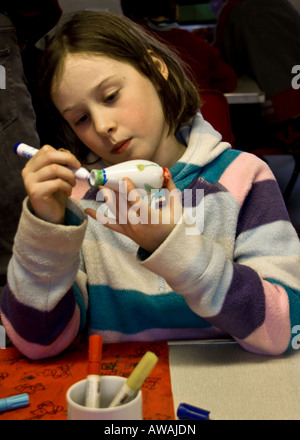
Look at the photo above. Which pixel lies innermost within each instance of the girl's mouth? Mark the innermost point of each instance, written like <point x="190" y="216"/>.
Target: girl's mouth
<point x="121" y="147"/>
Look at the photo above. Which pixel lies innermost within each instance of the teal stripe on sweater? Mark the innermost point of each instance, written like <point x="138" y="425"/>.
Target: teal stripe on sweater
<point x="183" y="174"/>
<point x="71" y="219"/>
<point x="214" y="170"/>
<point x="130" y="312"/>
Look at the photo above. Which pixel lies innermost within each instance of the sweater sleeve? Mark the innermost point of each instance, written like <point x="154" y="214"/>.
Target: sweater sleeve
<point x="251" y="291"/>
<point x="41" y="305"/>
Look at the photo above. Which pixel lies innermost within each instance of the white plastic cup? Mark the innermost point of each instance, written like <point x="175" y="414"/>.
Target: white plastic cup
<point x="110" y="385"/>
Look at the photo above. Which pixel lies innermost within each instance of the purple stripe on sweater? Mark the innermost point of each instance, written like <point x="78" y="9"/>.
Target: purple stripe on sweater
<point x="49" y="324"/>
<point x="190" y="197"/>
<point x="264" y="204"/>
<point x="243" y="310"/>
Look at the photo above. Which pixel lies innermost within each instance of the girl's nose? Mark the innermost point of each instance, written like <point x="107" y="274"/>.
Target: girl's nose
<point x="104" y="125"/>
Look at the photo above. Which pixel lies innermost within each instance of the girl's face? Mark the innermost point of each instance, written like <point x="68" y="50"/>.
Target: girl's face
<point x="114" y="110"/>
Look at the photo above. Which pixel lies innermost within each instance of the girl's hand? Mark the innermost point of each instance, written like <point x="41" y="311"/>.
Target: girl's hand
<point x="49" y="182"/>
<point x="135" y="218"/>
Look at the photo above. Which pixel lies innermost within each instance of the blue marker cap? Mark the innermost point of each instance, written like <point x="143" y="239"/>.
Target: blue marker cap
<point x="190" y="412"/>
<point x="16" y="147"/>
<point x="14" y="402"/>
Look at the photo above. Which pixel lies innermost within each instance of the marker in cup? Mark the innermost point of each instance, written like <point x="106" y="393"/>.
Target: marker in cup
<point x="25" y="150"/>
<point x="92" y="398"/>
<point x="135" y="380"/>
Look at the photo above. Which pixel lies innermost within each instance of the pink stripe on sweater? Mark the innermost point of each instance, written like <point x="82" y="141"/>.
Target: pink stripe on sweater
<point x="37" y="351"/>
<point x="80" y="189"/>
<point x="246" y="169"/>
<point x="273" y="337"/>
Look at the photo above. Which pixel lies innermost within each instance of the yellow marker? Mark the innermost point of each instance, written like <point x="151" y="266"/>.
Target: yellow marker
<point x="135" y="380"/>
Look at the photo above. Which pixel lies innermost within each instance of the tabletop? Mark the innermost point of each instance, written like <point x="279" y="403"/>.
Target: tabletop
<point x="234" y="384"/>
<point x="218" y="376"/>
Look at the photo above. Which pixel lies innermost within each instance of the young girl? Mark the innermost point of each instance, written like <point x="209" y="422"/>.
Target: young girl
<point x="124" y="96"/>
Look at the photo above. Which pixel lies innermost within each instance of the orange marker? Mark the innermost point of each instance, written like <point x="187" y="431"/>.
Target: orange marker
<point x="92" y="398"/>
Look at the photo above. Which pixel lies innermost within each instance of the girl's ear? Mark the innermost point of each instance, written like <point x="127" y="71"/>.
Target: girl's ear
<point x="160" y="64"/>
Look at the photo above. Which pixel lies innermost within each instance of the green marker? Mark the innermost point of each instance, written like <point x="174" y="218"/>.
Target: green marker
<point x="135" y="380"/>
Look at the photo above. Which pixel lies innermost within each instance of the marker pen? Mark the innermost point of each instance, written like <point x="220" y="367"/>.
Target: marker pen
<point x="135" y="380"/>
<point x="143" y="173"/>
<point x="26" y="151"/>
<point x="92" y="398"/>
<point x="14" y="402"/>
<point x="190" y="412"/>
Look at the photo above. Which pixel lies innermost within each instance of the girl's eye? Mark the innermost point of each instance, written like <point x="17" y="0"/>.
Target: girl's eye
<point x="82" y="120"/>
<point x="111" y="97"/>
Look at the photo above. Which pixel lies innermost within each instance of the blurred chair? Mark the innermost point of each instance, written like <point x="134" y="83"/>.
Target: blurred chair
<point x="215" y="110"/>
<point x="294" y="176"/>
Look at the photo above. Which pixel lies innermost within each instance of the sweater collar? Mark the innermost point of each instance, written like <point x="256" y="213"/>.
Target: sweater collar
<point x="204" y="144"/>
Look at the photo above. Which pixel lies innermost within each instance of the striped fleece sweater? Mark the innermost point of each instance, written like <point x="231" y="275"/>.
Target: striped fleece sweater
<point x="238" y="277"/>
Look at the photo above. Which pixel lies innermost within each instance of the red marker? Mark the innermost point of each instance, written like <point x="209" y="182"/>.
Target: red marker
<point x="92" y="399"/>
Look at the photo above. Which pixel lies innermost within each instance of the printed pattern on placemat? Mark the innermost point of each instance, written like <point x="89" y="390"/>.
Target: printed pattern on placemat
<point x="47" y="381"/>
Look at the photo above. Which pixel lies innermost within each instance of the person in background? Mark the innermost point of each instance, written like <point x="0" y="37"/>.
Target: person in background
<point x="160" y="17"/>
<point x="261" y="39"/>
<point x="22" y="23"/>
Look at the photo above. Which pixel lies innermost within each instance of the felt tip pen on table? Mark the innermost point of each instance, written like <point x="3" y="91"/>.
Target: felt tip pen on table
<point x="14" y="402"/>
<point x="92" y="398"/>
<point x="191" y="412"/>
<point x="25" y="150"/>
<point x="135" y="380"/>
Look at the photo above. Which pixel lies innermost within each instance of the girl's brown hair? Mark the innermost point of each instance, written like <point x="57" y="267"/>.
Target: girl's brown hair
<point x="117" y="37"/>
